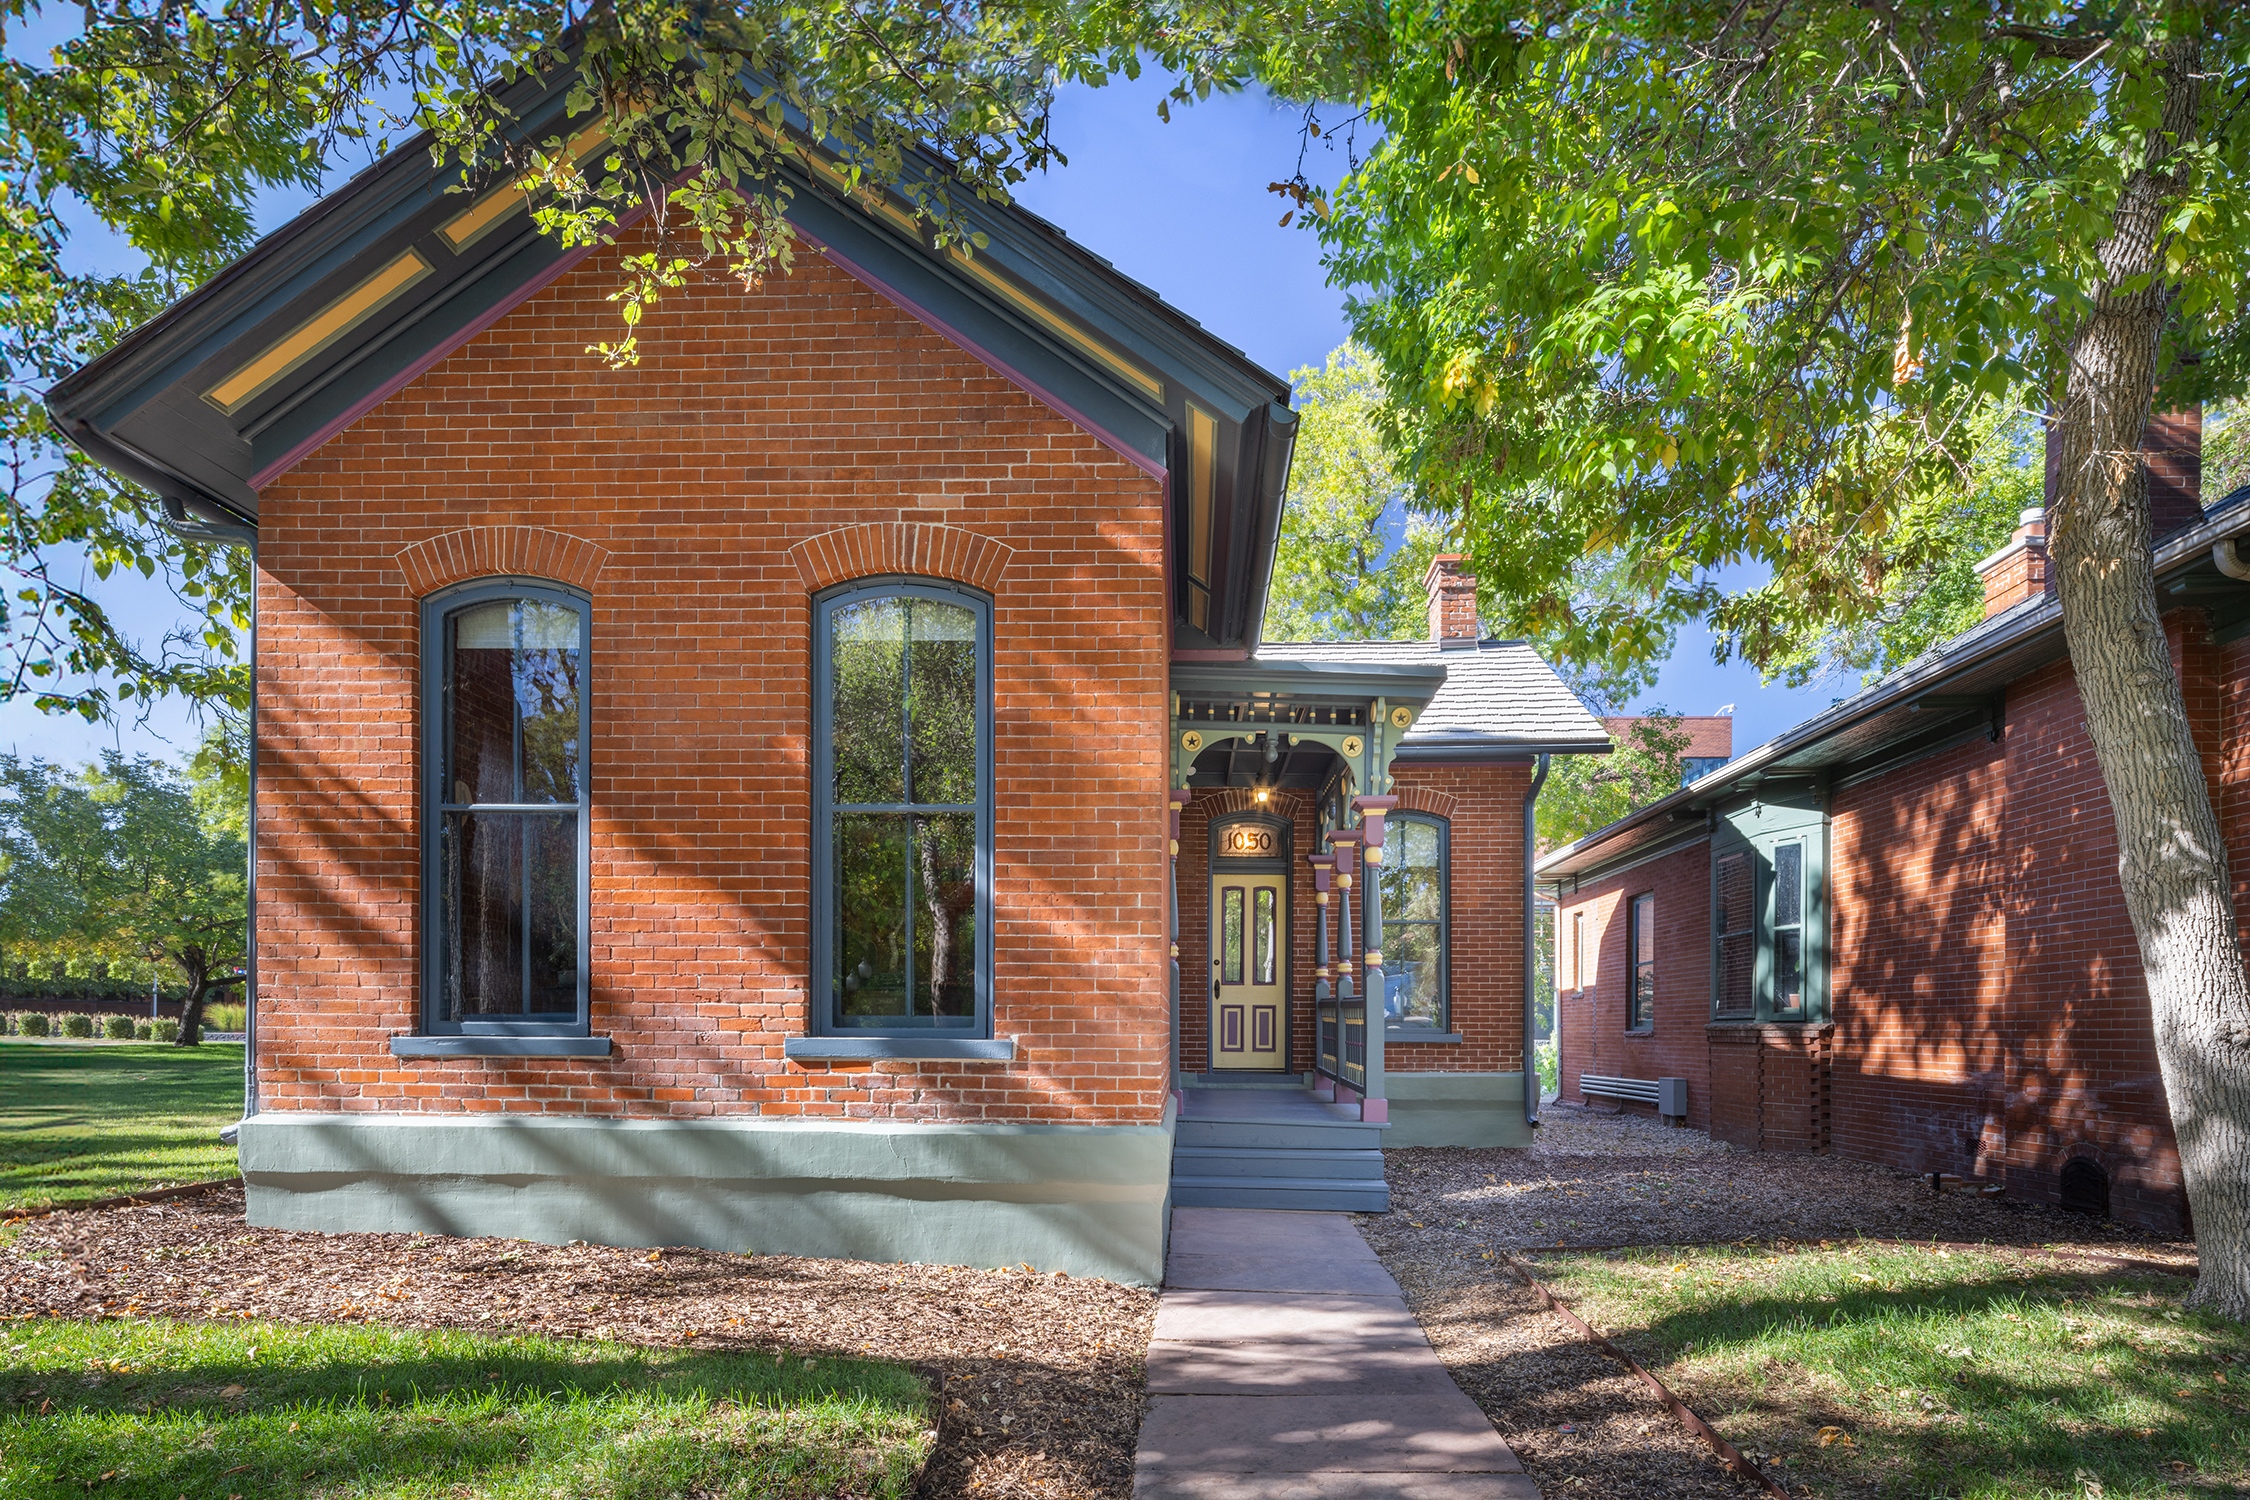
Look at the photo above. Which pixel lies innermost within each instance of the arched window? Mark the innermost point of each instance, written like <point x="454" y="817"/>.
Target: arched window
<point x="505" y="801"/>
<point x="1414" y="879"/>
<point x="902" y="811"/>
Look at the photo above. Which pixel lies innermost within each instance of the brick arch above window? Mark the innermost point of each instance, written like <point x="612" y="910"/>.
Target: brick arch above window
<point x="485" y="551"/>
<point x="913" y="548"/>
<point x="1424" y="799"/>
<point x="1228" y="801"/>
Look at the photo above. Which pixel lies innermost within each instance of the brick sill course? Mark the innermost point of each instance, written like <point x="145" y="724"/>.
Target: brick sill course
<point x="500" y="1046"/>
<point x="959" y="1049"/>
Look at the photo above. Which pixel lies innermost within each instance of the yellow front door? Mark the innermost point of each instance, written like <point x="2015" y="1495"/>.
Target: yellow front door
<point x="1249" y="943"/>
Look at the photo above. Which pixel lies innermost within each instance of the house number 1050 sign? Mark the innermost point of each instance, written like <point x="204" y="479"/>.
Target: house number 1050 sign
<point x="1247" y="842"/>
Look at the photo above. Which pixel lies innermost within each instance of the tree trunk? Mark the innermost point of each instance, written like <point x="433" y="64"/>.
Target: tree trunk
<point x="2172" y="859"/>
<point x="199" y="994"/>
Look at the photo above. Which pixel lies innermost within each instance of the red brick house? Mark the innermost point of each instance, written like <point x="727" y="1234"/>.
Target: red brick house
<point x="1710" y="740"/>
<point x="732" y="801"/>
<point x="1896" y="931"/>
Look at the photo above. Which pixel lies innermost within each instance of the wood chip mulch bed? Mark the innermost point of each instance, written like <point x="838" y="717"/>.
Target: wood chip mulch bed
<point x="1042" y="1374"/>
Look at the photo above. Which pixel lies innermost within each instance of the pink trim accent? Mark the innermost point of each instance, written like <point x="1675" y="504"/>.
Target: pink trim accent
<point x="984" y="356"/>
<point x="405" y="377"/>
<point x="1375" y="1111"/>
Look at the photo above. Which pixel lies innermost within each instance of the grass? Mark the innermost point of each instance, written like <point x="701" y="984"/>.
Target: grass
<point x="1916" y="1373"/>
<point x="98" y="1119"/>
<point x="153" y="1410"/>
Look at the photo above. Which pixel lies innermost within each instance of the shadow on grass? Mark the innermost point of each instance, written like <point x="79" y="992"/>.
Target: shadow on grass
<point x="1981" y="1377"/>
<point x="160" y="1410"/>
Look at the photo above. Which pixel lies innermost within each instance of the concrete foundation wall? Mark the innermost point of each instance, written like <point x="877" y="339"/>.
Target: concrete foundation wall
<point x="1455" y="1109"/>
<point x="1089" y="1200"/>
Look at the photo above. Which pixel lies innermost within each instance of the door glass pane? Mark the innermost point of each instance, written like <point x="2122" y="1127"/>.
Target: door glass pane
<point x="942" y="682"/>
<point x="944" y="882"/>
<point x="1788" y="930"/>
<point x="1737" y="948"/>
<point x="1265" y="960"/>
<point x="1230" y="940"/>
<point x="869" y="987"/>
<point x="867" y="662"/>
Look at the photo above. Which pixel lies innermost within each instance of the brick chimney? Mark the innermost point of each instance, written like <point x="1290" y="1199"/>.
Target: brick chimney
<point x="2019" y="570"/>
<point x="1453" y="601"/>
<point x="2172" y="456"/>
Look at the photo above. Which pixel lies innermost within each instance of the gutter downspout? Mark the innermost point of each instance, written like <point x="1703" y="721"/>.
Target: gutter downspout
<point x="1531" y="949"/>
<point x="205" y="524"/>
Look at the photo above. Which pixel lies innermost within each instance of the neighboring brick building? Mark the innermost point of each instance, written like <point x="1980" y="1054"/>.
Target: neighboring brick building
<point x="725" y="801"/>
<point x="1710" y="740"/>
<point x="1970" y="997"/>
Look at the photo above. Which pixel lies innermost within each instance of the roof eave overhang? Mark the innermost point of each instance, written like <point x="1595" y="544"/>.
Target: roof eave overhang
<point x="1406" y="682"/>
<point x="1475" y="749"/>
<point x="2024" y="639"/>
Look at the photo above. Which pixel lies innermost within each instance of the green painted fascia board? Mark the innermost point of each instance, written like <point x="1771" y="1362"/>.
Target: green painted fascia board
<point x="1405" y="682"/>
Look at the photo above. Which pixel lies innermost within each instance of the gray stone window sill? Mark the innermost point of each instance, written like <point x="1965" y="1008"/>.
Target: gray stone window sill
<point x="855" y="1048"/>
<point x="499" y="1046"/>
<point x="1415" y="1034"/>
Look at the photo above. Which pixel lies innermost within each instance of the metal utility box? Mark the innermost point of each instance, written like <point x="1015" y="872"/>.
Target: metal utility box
<point x="1671" y="1097"/>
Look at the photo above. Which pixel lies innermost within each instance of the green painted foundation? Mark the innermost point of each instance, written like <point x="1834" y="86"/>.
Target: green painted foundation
<point x="1089" y="1200"/>
<point x="1455" y="1109"/>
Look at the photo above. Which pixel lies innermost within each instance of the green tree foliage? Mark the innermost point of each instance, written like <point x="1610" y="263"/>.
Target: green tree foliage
<point x="1919" y="607"/>
<point x="119" y="858"/>
<point x="1706" y="285"/>
<point x="1586" y="792"/>
<point x="1352" y="554"/>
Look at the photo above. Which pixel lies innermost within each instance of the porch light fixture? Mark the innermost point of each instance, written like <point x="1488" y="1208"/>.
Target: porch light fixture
<point x="1261" y="794"/>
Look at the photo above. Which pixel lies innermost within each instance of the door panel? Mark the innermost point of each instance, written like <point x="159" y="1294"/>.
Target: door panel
<point x="1249" y="972"/>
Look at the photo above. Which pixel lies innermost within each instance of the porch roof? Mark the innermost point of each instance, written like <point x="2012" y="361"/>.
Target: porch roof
<point x="1493" y="700"/>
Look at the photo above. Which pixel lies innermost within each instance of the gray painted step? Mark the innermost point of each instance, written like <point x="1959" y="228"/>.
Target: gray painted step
<point x="1275" y="1161"/>
<point x="1340" y="1135"/>
<point x="1331" y="1194"/>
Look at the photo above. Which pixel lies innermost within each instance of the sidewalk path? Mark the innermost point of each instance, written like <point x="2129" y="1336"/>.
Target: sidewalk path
<point x="1285" y="1366"/>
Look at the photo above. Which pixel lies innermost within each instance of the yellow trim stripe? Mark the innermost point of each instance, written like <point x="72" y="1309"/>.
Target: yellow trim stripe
<point x="468" y="226"/>
<point x="330" y="324"/>
<point x="1039" y="312"/>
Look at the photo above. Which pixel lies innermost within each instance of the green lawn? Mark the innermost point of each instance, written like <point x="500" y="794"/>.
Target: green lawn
<point x="96" y="1119"/>
<point x="1917" y="1373"/>
<point x="152" y="1410"/>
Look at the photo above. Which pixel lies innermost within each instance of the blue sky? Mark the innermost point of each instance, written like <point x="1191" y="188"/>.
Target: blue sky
<point x="1182" y="207"/>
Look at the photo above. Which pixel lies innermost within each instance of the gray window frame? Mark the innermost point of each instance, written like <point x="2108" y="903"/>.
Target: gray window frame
<point x="1637" y="1024"/>
<point x="494" y="1035"/>
<point x="1756" y="828"/>
<point x="974" y="1040"/>
<point x="1443" y="1031"/>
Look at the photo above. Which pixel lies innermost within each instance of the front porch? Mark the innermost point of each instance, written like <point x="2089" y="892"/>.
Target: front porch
<point x="1278" y="1145"/>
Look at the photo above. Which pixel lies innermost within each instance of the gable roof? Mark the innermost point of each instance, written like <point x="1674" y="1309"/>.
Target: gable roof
<point x="1498" y="699"/>
<point x="220" y="395"/>
<point x="1951" y="694"/>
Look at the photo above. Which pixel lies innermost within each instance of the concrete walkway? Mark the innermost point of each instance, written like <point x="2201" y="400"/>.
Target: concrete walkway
<point x="1286" y="1367"/>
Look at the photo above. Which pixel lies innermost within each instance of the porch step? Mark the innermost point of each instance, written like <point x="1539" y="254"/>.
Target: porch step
<point x="1202" y="1162"/>
<point x="1313" y="1194"/>
<point x="1288" y="1135"/>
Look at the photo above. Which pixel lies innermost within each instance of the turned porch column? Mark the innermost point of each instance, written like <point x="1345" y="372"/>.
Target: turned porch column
<point x="1179" y="799"/>
<point x="1372" y="811"/>
<point x="1324" y="1021"/>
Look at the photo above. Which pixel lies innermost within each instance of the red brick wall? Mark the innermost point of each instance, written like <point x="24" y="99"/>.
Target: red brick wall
<point x="756" y="422"/>
<point x="1592" y="1019"/>
<point x="1708" y="734"/>
<point x="1483" y="806"/>
<point x="1990" y="1015"/>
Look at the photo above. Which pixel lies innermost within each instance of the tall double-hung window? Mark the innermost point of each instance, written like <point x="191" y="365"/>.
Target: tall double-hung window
<point x="1414" y="924"/>
<point x="902" y="690"/>
<point x="505" y="803"/>
<point x="1640" y="964"/>
<point x="1768" y="949"/>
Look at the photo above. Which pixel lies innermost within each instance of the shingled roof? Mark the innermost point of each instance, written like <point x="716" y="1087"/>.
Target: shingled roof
<point x="1498" y="697"/>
